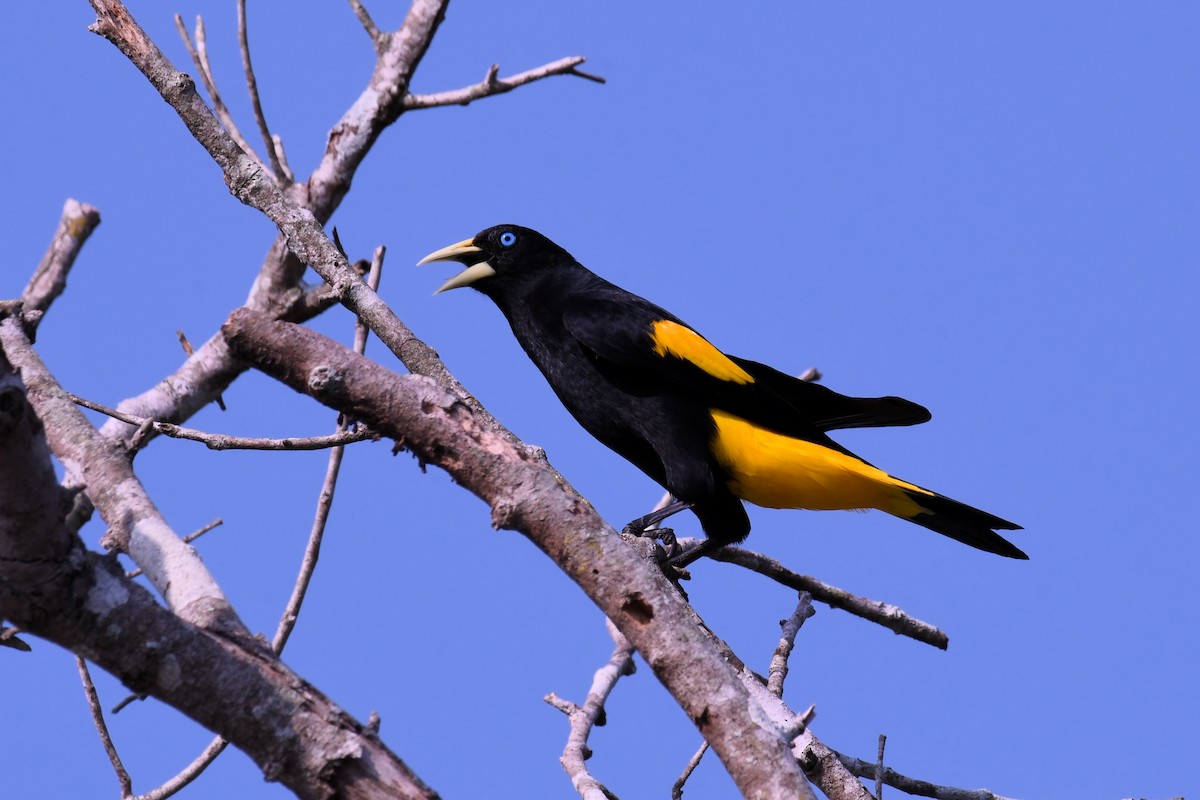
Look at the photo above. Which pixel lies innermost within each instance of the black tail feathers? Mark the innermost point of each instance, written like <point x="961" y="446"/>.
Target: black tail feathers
<point x="965" y="524"/>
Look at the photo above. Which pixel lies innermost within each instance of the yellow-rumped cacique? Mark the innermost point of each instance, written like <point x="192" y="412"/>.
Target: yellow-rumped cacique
<point x="711" y="428"/>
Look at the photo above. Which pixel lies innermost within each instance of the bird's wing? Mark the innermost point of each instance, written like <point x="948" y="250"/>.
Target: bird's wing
<point x="650" y="350"/>
<point x="830" y="410"/>
<point x="639" y="341"/>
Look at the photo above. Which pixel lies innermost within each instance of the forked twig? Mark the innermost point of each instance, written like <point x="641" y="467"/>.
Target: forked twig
<point x="775" y="677"/>
<point x="591" y="713"/>
<point x="282" y="177"/>
<point x="492" y="85"/>
<point x="914" y="786"/>
<point x="199" y="54"/>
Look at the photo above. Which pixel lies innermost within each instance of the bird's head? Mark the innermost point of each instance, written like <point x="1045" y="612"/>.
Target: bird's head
<point x="497" y="253"/>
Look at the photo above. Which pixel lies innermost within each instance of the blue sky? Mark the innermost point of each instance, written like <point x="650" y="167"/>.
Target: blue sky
<point x="987" y="208"/>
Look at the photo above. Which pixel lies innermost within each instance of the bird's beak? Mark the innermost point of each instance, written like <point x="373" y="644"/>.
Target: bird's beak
<point x="464" y="252"/>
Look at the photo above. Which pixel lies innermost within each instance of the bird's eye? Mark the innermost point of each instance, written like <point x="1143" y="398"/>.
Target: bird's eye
<point x="508" y="239"/>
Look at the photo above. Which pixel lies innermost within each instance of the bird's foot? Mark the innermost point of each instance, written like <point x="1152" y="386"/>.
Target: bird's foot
<point x="646" y="526"/>
<point x="664" y="535"/>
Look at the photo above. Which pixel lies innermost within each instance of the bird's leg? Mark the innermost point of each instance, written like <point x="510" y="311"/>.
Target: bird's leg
<point x="694" y="553"/>
<point x="639" y="526"/>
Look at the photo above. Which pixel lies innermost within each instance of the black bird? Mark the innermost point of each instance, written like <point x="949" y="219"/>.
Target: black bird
<point x="711" y="428"/>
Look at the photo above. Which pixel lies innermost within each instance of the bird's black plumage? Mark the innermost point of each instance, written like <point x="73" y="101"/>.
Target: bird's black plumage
<point x="712" y="429"/>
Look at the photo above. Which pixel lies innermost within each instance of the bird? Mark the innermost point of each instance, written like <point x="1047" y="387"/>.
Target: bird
<point x="713" y="429"/>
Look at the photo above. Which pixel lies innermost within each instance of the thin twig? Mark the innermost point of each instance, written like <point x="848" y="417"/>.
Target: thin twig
<point x="255" y="102"/>
<point x="591" y="713"/>
<point x="93" y="701"/>
<point x="221" y="441"/>
<point x="867" y="769"/>
<point x="889" y="616"/>
<point x="492" y="85"/>
<point x="190" y="351"/>
<point x="199" y="54"/>
<point x="188" y="773"/>
<point x="312" y="551"/>
<point x="693" y="762"/>
<point x="368" y="24"/>
<point x="790" y="627"/>
<point x="361" y="329"/>
<point x="277" y="141"/>
<point x="879" y="768"/>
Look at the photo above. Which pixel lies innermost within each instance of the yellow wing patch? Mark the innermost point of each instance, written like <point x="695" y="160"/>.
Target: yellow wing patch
<point x="683" y="342"/>
<point x="777" y="471"/>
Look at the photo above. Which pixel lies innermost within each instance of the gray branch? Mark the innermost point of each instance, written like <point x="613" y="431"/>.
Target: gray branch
<point x="277" y="288"/>
<point x="528" y="495"/>
<point x="867" y="769"/>
<point x="224" y="441"/>
<point x="591" y="713"/>
<point x="50" y="278"/>
<point x="492" y="85"/>
<point x="53" y="587"/>
<point x="135" y="524"/>
<point x="885" y="614"/>
<point x="778" y="670"/>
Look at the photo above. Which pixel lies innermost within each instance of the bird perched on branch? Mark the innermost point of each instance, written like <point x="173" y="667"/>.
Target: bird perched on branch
<point x="711" y="428"/>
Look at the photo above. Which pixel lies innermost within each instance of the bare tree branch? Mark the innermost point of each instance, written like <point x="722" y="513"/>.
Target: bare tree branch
<point x="822" y="766"/>
<point x="364" y="18"/>
<point x="188" y="773"/>
<point x="191" y="537"/>
<point x="879" y="768"/>
<point x="199" y="54"/>
<point x="312" y="550"/>
<point x="93" y="701"/>
<point x="526" y="494"/>
<point x="291" y="613"/>
<point x="211" y="370"/>
<point x="54" y="588"/>
<point x="276" y="290"/>
<point x="913" y="786"/>
<point x="260" y="119"/>
<point x="689" y="768"/>
<point x="222" y="441"/>
<point x="889" y="616"/>
<point x="135" y="524"/>
<point x="50" y="278"/>
<point x="299" y="225"/>
<point x="777" y="672"/>
<point x="591" y="713"/>
<point x="492" y="85"/>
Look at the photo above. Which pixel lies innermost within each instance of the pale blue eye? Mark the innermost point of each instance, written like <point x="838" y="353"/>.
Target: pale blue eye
<point x="508" y="238"/>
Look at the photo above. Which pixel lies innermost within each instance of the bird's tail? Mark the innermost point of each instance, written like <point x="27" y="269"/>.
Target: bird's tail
<point x="960" y="521"/>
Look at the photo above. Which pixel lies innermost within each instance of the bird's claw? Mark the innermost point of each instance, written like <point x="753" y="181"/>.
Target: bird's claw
<point x="664" y="535"/>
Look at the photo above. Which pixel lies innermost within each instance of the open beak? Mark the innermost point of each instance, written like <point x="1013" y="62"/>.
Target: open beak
<point x="464" y="252"/>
